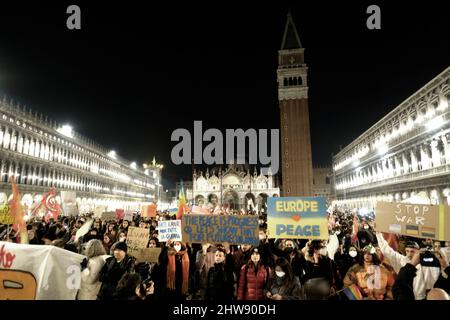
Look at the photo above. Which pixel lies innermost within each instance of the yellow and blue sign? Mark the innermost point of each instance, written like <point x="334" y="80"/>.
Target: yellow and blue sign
<point x="297" y="218"/>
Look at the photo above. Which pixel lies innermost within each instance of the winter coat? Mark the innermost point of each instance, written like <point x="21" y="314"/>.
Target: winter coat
<point x="288" y="290"/>
<point x="361" y="276"/>
<point x="90" y="284"/>
<point x="111" y="274"/>
<point x="252" y="285"/>
<point x="203" y="263"/>
<point x="403" y="286"/>
<point x="220" y="286"/>
<point x="425" y="276"/>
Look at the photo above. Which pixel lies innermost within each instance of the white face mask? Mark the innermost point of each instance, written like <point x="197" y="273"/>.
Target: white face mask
<point x="122" y="239"/>
<point x="177" y="247"/>
<point x="352" y="253"/>
<point x="280" y="274"/>
<point x="262" y="237"/>
<point x="323" y="251"/>
<point x="366" y="227"/>
<point x="338" y="232"/>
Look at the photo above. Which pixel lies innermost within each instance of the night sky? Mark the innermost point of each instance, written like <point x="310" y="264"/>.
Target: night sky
<point x="135" y="73"/>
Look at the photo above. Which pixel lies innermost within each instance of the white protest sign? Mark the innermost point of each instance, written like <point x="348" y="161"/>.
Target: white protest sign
<point x="169" y="230"/>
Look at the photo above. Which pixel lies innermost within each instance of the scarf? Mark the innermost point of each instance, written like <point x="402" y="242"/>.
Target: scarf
<point x="171" y="270"/>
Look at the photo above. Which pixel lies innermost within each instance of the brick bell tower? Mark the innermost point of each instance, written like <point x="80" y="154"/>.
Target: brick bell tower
<point x="292" y="75"/>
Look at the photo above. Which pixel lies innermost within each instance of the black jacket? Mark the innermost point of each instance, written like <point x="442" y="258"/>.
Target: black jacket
<point x="111" y="274"/>
<point x="444" y="282"/>
<point x="220" y="284"/>
<point x="403" y="286"/>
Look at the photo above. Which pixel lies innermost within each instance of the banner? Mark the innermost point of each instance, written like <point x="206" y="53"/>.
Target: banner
<point x="220" y="228"/>
<point x="109" y="216"/>
<point x="169" y="230"/>
<point x="38" y="272"/>
<point x="422" y="221"/>
<point x="137" y="238"/>
<point x="297" y="218"/>
<point x="149" y="255"/>
<point x="128" y="216"/>
<point x="98" y="211"/>
<point x="84" y="229"/>
<point x="5" y="215"/>
<point x="200" y="210"/>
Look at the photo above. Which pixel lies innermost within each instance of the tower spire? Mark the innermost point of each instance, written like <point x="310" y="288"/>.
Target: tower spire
<point x="291" y="39"/>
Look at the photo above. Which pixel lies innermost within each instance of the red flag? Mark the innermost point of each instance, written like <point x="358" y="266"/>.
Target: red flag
<point x="18" y="213"/>
<point x="392" y="239"/>
<point x="51" y="207"/>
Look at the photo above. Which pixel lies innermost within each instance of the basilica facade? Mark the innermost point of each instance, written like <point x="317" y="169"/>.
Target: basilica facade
<point x="234" y="187"/>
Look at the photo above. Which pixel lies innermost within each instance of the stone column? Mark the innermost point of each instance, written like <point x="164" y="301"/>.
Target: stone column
<point x="435" y="153"/>
<point x="446" y="143"/>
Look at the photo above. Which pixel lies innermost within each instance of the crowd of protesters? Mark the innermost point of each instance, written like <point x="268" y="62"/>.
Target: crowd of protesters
<point x="356" y="262"/>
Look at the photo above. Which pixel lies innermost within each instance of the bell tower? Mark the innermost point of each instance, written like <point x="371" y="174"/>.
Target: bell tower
<point x="292" y="76"/>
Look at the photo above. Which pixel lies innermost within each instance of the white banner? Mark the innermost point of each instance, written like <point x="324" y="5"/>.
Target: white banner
<point x="38" y="272"/>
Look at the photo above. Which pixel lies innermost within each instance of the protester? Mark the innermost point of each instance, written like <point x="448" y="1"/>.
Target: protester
<point x="90" y="270"/>
<point x="283" y="285"/>
<point x="220" y="282"/>
<point x="113" y="270"/>
<point x="254" y="278"/>
<point x="204" y="261"/>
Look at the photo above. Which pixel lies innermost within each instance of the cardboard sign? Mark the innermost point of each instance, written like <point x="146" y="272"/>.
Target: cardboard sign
<point x="69" y="203"/>
<point x="421" y="221"/>
<point x="297" y="218"/>
<point x="137" y="238"/>
<point x="109" y="216"/>
<point x="149" y="255"/>
<point x="200" y="210"/>
<point x="5" y="215"/>
<point x="98" y="211"/>
<point x="169" y="230"/>
<point x="220" y="228"/>
<point x="128" y="216"/>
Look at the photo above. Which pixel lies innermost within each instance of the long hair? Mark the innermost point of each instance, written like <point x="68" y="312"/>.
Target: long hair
<point x="94" y="248"/>
<point x="286" y="267"/>
<point x="375" y="259"/>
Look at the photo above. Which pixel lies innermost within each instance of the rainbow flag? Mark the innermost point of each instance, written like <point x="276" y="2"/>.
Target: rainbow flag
<point x="182" y="207"/>
<point x="353" y="292"/>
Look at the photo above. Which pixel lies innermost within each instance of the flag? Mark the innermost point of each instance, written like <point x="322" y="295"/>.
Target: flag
<point x="50" y="206"/>
<point x="181" y="202"/>
<point x="391" y="239"/>
<point x="355" y="228"/>
<point x="18" y="213"/>
<point x="353" y="293"/>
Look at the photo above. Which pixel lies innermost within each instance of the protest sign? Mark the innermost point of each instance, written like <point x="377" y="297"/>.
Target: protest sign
<point x="137" y="238"/>
<point x="200" y="210"/>
<point x="109" y="216"/>
<point x="120" y="213"/>
<point x="169" y="230"/>
<point x="128" y="216"/>
<point x="38" y="272"/>
<point x="422" y="221"/>
<point x="149" y="255"/>
<point x="5" y="215"/>
<point x="297" y="218"/>
<point x="220" y="228"/>
<point x="98" y="211"/>
<point x="84" y="229"/>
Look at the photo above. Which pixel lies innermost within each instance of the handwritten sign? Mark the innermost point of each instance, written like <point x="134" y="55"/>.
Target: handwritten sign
<point x="5" y="215"/>
<point x="422" y="221"/>
<point x="137" y="238"/>
<point x="169" y="230"/>
<point x="220" y="228"/>
<point x="297" y="217"/>
<point x="128" y="216"/>
<point x="149" y="255"/>
<point x="109" y="216"/>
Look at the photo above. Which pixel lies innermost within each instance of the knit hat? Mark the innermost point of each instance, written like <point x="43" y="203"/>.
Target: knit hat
<point x="121" y="246"/>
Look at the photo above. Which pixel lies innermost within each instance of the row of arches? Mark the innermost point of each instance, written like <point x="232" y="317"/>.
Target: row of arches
<point x="292" y="81"/>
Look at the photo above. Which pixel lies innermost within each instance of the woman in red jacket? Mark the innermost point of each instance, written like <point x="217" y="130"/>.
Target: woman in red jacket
<point x="253" y="279"/>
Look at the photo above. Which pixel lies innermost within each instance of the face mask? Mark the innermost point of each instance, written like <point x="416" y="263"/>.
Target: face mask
<point x="280" y="274"/>
<point x="122" y="239"/>
<point x="353" y="253"/>
<point x="262" y="237"/>
<point x="338" y="232"/>
<point x="366" y="227"/>
<point x="289" y="249"/>
<point x="323" y="251"/>
<point x="177" y="247"/>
